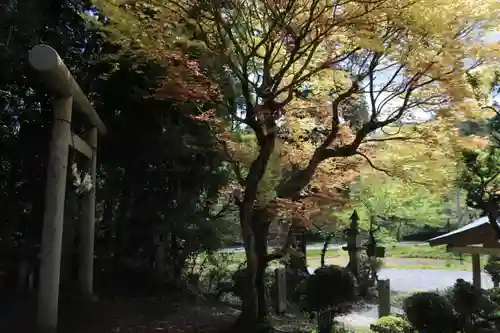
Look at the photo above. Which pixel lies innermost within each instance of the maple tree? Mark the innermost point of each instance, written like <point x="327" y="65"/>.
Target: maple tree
<point x="298" y="64"/>
<point x="185" y="79"/>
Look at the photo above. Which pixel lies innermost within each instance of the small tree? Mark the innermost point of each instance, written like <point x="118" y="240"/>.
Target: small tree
<point x="480" y="180"/>
<point x="331" y="291"/>
<point x="493" y="269"/>
<point x="430" y="312"/>
<point x="482" y="165"/>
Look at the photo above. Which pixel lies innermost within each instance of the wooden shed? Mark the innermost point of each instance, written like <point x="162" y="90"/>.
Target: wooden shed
<point x="476" y="238"/>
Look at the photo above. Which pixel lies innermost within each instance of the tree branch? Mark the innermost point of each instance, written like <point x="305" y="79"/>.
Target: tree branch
<point x="221" y="212"/>
<point x="387" y="172"/>
<point x="284" y="249"/>
<point x="234" y="164"/>
<point x="398" y="138"/>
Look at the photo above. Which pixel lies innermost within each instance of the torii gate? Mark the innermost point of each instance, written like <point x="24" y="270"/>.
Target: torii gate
<point x="56" y="75"/>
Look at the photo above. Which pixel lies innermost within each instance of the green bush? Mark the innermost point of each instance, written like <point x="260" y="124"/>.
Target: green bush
<point x="469" y="301"/>
<point x="392" y="324"/>
<point x="367" y="284"/>
<point x="494" y="295"/>
<point x="331" y="287"/>
<point x="239" y="284"/>
<point x="338" y="328"/>
<point x="213" y="274"/>
<point x="430" y="312"/>
<point x="473" y="306"/>
<point x="493" y="269"/>
<point x="342" y="329"/>
<point x="462" y="308"/>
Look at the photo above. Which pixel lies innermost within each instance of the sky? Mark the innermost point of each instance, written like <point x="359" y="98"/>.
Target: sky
<point x="492" y="37"/>
<point x="414" y="115"/>
<point x="421" y="115"/>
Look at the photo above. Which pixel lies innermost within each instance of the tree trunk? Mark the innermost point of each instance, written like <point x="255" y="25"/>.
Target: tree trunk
<point x="325" y="248"/>
<point x="249" y="318"/>
<point x="123" y="223"/>
<point x="174" y="254"/>
<point x="10" y="208"/>
<point x="159" y="260"/>
<point x="260" y="284"/>
<point x="261" y="233"/>
<point x="398" y="232"/>
<point x="297" y="264"/>
<point x="108" y="219"/>
<point x="249" y="314"/>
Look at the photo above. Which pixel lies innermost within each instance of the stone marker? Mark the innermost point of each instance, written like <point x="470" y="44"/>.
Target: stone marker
<point x="281" y="297"/>
<point x="384" y="298"/>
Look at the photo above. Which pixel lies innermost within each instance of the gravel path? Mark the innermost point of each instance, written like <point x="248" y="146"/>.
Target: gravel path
<point x="407" y="281"/>
<point x="403" y="280"/>
<point x="363" y="318"/>
<point x="391" y="262"/>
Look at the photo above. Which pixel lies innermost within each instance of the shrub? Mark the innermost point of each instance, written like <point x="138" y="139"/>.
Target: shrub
<point x="367" y="284"/>
<point x="468" y="300"/>
<point x="338" y="328"/>
<point x="430" y="312"/>
<point x="342" y="329"/>
<point x="493" y="269"/>
<point x="472" y="305"/>
<point x="331" y="287"/>
<point x="494" y="295"/>
<point x="239" y="284"/>
<point x="296" y="287"/>
<point x="213" y="274"/>
<point x="392" y="324"/>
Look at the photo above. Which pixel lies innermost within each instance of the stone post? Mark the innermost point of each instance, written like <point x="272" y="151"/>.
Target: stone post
<point x="384" y="298"/>
<point x="281" y="297"/>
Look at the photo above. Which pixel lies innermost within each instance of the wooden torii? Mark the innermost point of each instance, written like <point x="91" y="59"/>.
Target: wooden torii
<point x="59" y="80"/>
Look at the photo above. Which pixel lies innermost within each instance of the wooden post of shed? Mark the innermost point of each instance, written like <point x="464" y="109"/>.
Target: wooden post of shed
<point x="476" y="270"/>
<point x="86" y="271"/>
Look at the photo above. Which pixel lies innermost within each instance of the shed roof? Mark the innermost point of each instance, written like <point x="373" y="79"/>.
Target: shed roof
<point x="477" y="232"/>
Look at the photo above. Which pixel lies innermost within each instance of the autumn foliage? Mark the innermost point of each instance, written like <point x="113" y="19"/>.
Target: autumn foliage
<point x="184" y="80"/>
<point x="316" y="85"/>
